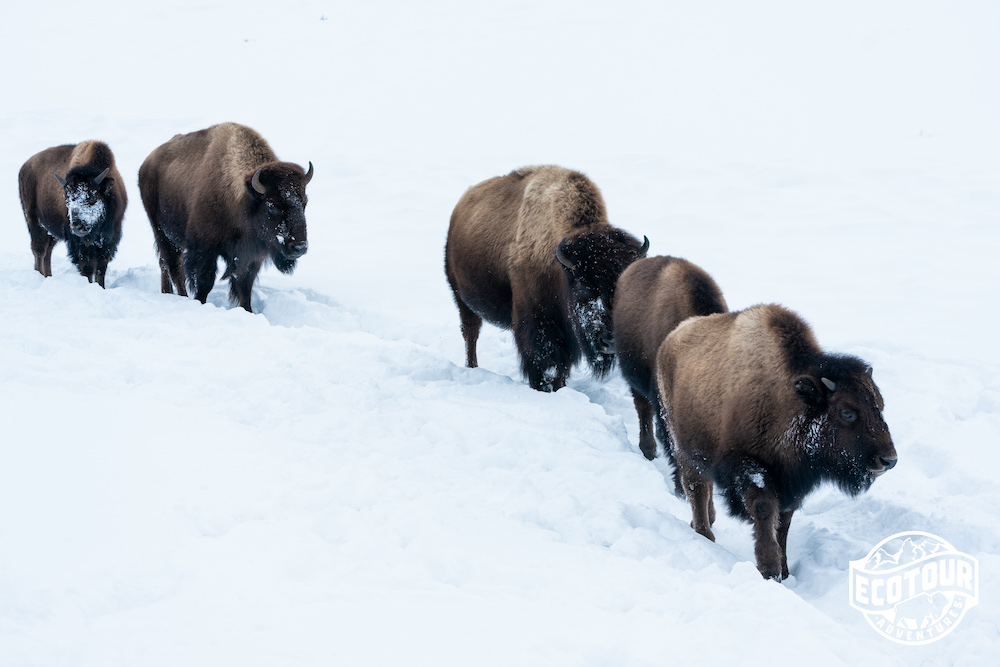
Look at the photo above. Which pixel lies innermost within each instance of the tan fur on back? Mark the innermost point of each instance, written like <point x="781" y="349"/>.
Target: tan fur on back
<point x="548" y="211"/>
<point x="243" y="152"/>
<point x="731" y="359"/>
<point x="84" y="154"/>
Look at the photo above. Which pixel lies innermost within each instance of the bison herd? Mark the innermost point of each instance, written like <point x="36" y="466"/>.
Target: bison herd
<point x="747" y="401"/>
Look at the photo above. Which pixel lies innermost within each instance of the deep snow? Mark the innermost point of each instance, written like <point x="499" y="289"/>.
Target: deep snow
<point x="324" y="483"/>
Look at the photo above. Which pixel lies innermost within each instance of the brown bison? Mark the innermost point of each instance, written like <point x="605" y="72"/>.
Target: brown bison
<point x="533" y="251"/>
<point x="654" y="295"/>
<point x="221" y="192"/>
<point x="754" y="405"/>
<point x="84" y="207"/>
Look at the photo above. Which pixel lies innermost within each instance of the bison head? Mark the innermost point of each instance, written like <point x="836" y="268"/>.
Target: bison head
<point x="592" y="263"/>
<point x="86" y="195"/>
<point x="278" y="195"/>
<point x="843" y="430"/>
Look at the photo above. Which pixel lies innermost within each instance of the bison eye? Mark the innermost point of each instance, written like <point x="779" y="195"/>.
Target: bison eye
<point x="271" y="208"/>
<point x="848" y="415"/>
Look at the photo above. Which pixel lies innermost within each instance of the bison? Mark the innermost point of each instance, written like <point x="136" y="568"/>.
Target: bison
<point x="84" y="207"/>
<point x="654" y="295"/>
<point x="221" y="192"/>
<point x="754" y="405"/>
<point x="533" y="251"/>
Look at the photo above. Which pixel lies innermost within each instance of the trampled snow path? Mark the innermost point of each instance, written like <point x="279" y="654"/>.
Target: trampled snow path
<point x="304" y="486"/>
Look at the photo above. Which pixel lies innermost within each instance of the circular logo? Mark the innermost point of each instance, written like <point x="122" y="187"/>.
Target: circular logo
<point x="914" y="587"/>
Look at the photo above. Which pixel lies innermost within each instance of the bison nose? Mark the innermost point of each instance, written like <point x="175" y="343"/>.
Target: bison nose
<point x="888" y="462"/>
<point x="298" y="248"/>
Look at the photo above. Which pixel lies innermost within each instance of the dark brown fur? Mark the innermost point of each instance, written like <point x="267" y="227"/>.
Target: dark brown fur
<point x="747" y="408"/>
<point x="86" y="215"/>
<point x="501" y="265"/>
<point x="655" y="295"/>
<point x="198" y="193"/>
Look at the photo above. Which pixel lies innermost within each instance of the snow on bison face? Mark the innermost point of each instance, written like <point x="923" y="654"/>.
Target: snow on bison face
<point x="592" y="263"/>
<point x="847" y="433"/>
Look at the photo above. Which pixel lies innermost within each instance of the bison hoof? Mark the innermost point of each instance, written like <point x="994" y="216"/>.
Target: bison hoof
<point x="648" y="450"/>
<point x="772" y="572"/>
<point x="704" y="531"/>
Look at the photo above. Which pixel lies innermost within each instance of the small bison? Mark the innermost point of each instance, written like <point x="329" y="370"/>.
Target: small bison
<point x="533" y="251"/>
<point x="84" y="207"/>
<point x="654" y="295"/>
<point x="754" y="405"/>
<point x="221" y="192"/>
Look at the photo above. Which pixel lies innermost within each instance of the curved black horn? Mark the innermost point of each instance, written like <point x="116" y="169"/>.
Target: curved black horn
<point x="562" y="258"/>
<point x="255" y="182"/>
<point x="100" y="176"/>
<point x="62" y="181"/>
<point x="644" y="249"/>
<point x="309" y="173"/>
<point x="830" y="384"/>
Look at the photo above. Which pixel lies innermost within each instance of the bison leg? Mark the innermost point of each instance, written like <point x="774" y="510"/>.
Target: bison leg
<point x="699" y="494"/>
<point x="200" y="267"/>
<point x="471" y="325"/>
<point x="100" y="272"/>
<point x="647" y="443"/>
<point x="784" y="521"/>
<point x="241" y="279"/>
<point x="42" y="244"/>
<point x="762" y="505"/>
<point x="171" y="264"/>
<point x="471" y="322"/>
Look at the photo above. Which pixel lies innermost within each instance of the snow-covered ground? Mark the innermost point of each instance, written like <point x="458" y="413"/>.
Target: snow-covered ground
<point x="323" y="482"/>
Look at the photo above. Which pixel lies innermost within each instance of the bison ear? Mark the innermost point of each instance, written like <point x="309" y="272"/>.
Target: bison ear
<point x="106" y="184"/>
<point x="809" y="391"/>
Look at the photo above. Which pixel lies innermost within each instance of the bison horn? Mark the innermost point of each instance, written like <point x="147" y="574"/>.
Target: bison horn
<point x="100" y="176"/>
<point x="561" y="256"/>
<point x="309" y="173"/>
<point x="255" y="182"/>
<point x="830" y="384"/>
<point x="62" y="181"/>
<point x="645" y="247"/>
<point x="868" y="372"/>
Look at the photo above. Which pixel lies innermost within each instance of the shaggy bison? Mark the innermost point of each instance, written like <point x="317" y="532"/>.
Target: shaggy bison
<point x="654" y="295"/>
<point x="533" y="251"/>
<point x="221" y="192"/>
<point x="84" y="207"/>
<point x="754" y="405"/>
